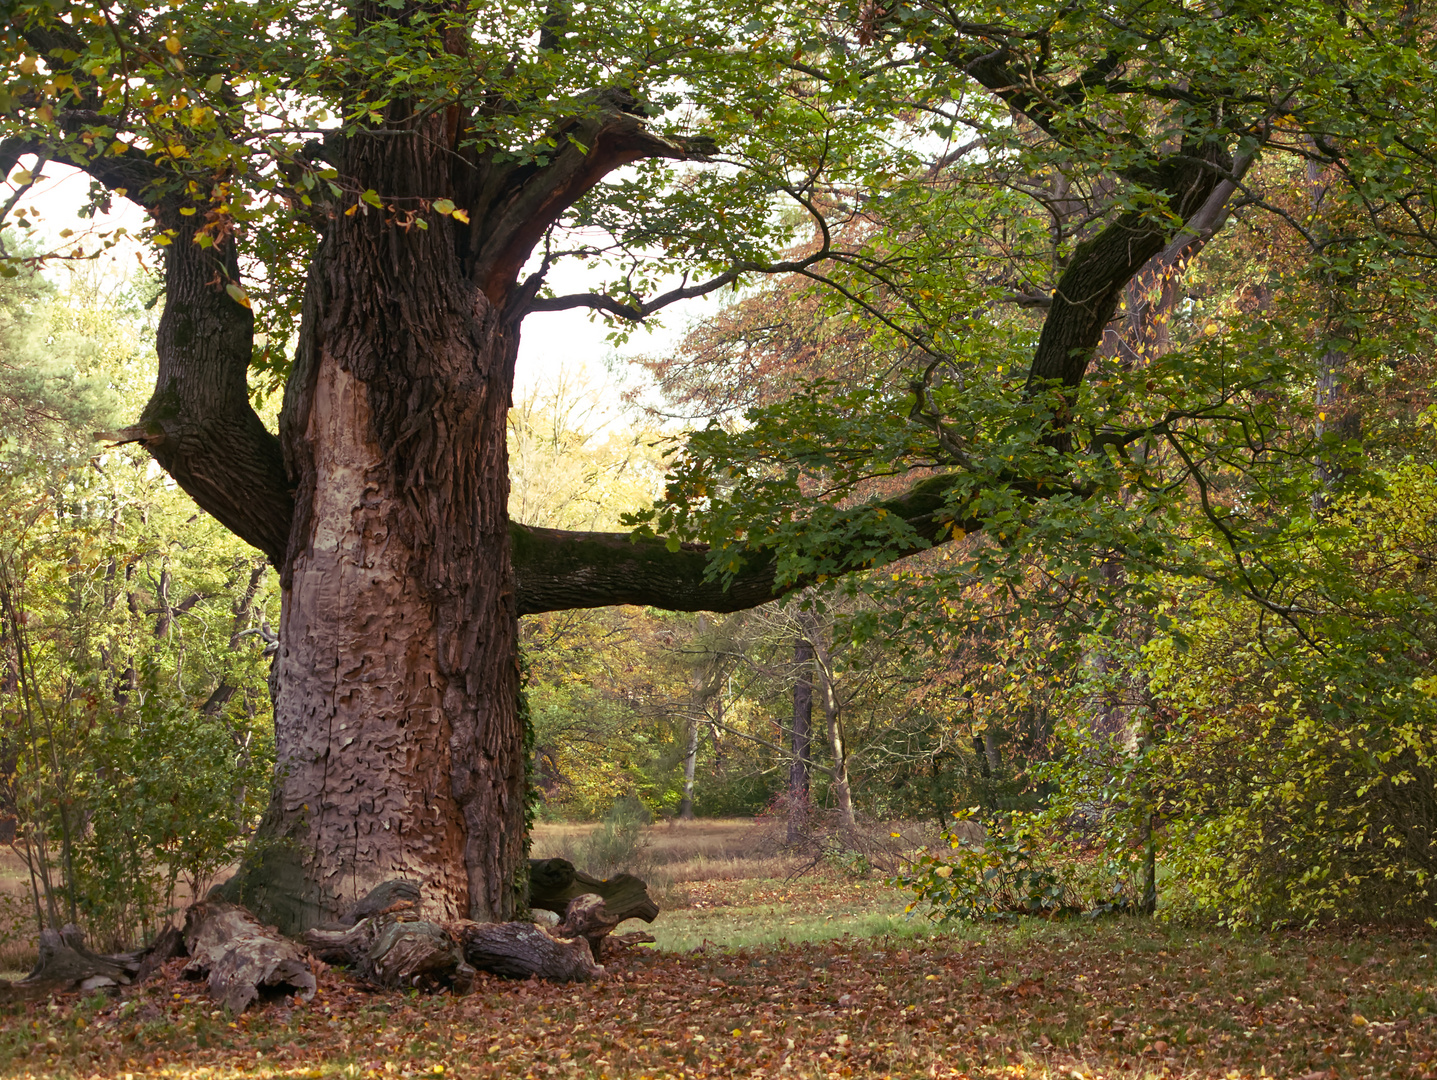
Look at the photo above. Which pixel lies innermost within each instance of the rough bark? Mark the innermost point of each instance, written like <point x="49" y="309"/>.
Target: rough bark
<point x="517" y="950"/>
<point x="397" y="733"/>
<point x="240" y="959"/>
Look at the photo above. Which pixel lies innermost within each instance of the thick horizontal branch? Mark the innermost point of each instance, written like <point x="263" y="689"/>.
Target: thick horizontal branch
<point x="557" y="570"/>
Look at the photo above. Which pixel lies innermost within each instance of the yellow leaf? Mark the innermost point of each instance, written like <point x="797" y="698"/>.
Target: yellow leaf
<point x="238" y="295"/>
<point x="27" y="65"/>
<point x="24" y="176"/>
<point x="461" y="215"/>
<point x="944" y="871"/>
<point x="172" y="43"/>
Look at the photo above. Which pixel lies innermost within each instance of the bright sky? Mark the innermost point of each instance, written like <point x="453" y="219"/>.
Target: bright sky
<point x="551" y="343"/>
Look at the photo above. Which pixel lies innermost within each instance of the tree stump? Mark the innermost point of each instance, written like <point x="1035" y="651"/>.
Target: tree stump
<point x="241" y="958"/>
<point x="66" y="965"/>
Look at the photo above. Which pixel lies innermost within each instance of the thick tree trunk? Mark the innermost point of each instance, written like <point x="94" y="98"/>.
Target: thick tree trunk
<point x="397" y="733"/>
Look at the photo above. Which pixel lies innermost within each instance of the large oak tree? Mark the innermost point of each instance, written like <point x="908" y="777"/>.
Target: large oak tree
<point x="389" y="182"/>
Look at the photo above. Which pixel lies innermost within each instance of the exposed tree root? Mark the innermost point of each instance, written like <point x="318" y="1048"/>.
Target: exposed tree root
<point x="241" y="959"/>
<point x="66" y="965"/>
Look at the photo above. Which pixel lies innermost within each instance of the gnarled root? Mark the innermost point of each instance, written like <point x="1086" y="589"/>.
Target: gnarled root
<point x="241" y="959"/>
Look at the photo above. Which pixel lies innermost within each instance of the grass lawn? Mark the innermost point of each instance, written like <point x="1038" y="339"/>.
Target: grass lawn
<point x="818" y="976"/>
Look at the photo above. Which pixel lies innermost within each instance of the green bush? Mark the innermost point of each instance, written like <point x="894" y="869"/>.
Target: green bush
<point x="1001" y="876"/>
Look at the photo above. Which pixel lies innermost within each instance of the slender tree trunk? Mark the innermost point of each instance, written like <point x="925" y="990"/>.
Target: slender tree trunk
<point x="699" y="685"/>
<point x="802" y="738"/>
<point x="691" y="754"/>
<point x="396" y="728"/>
<point x="838" y="749"/>
<point x="1337" y="413"/>
<point x="1149" y="903"/>
<point x="990" y="751"/>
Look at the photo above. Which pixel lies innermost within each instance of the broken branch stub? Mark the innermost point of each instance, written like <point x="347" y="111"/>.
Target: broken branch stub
<point x="241" y="958"/>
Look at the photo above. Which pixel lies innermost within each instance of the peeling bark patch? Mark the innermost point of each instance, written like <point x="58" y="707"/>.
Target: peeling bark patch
<point x="363" y="738"/>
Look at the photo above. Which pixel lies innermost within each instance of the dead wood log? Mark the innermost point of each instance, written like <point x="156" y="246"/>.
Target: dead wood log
<point x="554" y="883"/>
<point x="168" y="945"/>
<point x="66" y="965"/>
<point x="347" y="945"/>
<point x="589" y="907"/>
<point x="589" y="918"/>
<point x="394" y="951"/>
<point x="418" y="953"/>
<point x="392" y="948"/>
<point x="517" y="950"/>
<point x="630" y="940"/>
<point x="241" y="958"/>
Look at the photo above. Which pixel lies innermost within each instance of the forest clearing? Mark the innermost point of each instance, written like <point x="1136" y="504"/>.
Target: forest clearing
<point x="855" y="990"/>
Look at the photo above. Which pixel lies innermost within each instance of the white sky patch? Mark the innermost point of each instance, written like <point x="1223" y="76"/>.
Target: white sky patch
<point x="554" y="345"/>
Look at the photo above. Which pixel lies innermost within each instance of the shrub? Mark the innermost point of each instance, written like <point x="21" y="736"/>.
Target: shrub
<point x="1000" y="876"/>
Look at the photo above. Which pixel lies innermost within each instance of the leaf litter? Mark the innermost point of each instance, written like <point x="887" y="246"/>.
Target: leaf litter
<point x="1117" y="999"/>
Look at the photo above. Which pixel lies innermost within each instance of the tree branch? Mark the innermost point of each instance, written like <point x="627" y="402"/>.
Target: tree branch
<point x="517" y="204"/>
<point x="556" y="570"/>
<point x="643" y="309"/>
<point x="199" y="424"/>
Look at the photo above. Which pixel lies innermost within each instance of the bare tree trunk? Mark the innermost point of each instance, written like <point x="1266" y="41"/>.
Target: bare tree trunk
<point x="990" y="751"/>
<point x="396" y="723"/>
<point x="698" y="683"/>
<point x="1336" y="411"/>
<point x="691" y="754"/>
<point x="837" y="747"/>
<point x="802" y="738"/>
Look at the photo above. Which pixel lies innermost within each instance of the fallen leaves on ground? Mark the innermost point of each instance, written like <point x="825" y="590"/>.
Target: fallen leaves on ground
<point x="1074" y="1000"/>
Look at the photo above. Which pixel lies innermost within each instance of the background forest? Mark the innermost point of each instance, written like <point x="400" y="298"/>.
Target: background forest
<point x="1200" y="678"/>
